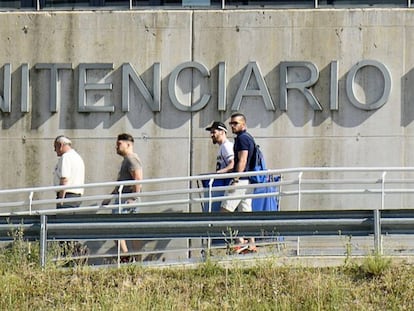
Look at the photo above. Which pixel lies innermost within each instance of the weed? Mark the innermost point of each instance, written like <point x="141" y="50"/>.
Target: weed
<point x="375" y="265"/>
<point x="20" y="252"/>
<point x="348" y="249"/>
<point x="372" y="266"/>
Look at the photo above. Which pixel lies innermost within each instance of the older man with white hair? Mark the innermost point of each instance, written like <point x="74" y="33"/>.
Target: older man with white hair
<point x="69" y="171"/>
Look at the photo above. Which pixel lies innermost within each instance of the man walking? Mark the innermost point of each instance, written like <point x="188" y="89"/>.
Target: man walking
<point x="131" y="169"/>
<point x="224" y="163"/>
<point x="225" y="154"/>
<point x="69" y="171"/>
<point x="243" y="152"/>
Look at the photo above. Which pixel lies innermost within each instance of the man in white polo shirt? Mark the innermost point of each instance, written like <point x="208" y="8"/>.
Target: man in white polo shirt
<point x="69" y="171"/>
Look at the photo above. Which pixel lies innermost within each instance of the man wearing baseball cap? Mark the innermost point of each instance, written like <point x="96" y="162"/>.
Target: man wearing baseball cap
<point x="225" y="154"/>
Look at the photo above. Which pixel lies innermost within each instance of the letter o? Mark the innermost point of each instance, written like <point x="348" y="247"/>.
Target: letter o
<point x="350" y="82"/>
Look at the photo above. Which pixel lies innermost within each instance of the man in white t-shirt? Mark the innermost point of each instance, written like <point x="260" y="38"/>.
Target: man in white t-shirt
<point x="69" y="171"/>
<point x="224" y="162"/>
<point x="225" y="154"/>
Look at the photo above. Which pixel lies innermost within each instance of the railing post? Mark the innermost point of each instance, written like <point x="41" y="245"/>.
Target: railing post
<point x="377" y="232"/>
<point x="299" y="203"/>
<point x="210" y="194"/>
<point x="383" y="190"/>
<point x="43" y="240"/>
<point x="30" y="202"/>
<point x="299" y="189"/>
<point x="120" y="188"/>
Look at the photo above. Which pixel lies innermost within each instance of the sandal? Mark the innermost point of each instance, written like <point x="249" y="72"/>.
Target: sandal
<point x="241" y="249"/>
<point x="125" y="259"/>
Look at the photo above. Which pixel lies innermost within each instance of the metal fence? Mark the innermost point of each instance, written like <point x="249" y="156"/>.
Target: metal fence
<point x="190" y="4"/>
<point x="171" y="214"/>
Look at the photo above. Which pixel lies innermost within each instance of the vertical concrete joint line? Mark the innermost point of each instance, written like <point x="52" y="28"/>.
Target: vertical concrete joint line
<point x="191" y="132"/>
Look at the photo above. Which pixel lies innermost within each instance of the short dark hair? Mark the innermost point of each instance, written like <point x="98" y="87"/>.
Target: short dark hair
<point x="125" y="136"/>
<point x="238" y="114"/>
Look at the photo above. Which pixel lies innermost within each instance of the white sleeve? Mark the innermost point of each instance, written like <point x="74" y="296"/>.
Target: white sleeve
<point x="66" y="167"/>
<point x="228" y="153"/>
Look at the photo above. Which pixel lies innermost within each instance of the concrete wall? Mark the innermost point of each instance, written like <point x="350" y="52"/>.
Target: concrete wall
<point x="299" y="136"/>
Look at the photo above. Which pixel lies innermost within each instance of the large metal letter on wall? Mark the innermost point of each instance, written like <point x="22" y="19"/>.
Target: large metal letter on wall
<point x="172" y="84"/>
<point x="262" y="91"/>
<point x="54" y="78"/>
<point x="128" y="73"/>
<point x="350" y="83"/>
<point x="302" y="86"/>
<point x="5" y="101"/>
<point x="84" y="86"/>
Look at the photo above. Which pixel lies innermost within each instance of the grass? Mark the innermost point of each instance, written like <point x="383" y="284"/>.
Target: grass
<point x="374" y="284"/>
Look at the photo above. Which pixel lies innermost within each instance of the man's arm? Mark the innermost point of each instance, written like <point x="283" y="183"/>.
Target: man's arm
<point x="228" y="168"/>
<point x="107" y="201"/>
<point x="62" y="182"/>
<point x="136" y="175"/>
<point x="241" y="166"/>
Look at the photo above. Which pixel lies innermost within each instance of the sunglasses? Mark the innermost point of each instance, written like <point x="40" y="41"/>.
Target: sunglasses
<point x="234" y="123"/>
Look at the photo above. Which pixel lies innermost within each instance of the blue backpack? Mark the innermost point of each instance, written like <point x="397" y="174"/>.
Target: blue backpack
<point x="257" y="163"/>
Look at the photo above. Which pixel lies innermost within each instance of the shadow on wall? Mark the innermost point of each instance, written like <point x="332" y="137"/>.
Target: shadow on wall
<point x="407" y="91"/>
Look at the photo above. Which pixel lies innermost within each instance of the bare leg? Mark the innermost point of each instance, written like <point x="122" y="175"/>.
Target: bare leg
<point x="239" y="240"/>
<point x="123" y="246"/>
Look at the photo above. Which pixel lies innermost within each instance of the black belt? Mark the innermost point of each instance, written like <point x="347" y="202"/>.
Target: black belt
<point x="72" y="194"/>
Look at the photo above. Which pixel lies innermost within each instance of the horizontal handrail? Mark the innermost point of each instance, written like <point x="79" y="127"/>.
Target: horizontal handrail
<point x="189" y="225"/>
<point x="175" y="191"/>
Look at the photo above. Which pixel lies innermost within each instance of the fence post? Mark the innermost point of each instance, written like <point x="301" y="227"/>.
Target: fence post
<point x="299" y="203"/>
<point x="299" y="189"/>
<point x="43" y="240"/>
<point x="377" y="232"/>
<point x="30" y="202"/>
<point x="383" y="190"/>
<point x="118" y="249"/>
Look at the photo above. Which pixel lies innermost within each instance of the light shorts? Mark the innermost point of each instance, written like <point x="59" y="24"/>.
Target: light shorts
<point x="124" y="209"/>
<point x="243" y="205"/>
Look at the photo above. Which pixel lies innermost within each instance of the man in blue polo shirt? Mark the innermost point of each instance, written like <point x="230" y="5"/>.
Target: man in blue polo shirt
<point x="243" y="151"/>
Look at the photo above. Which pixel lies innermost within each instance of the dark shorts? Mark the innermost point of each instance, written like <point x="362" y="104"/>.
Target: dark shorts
<point x="70" y="204"/>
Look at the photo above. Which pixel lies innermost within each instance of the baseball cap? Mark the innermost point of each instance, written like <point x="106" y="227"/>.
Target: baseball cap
<point x="217" y="125"/>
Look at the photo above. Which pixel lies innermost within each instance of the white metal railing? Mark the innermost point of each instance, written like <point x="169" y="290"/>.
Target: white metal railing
<point x="316" y="182"/>
<point x="301" y="189"/>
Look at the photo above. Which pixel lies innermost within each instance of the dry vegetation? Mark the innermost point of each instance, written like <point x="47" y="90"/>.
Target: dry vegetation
<point x="376" y="284"/>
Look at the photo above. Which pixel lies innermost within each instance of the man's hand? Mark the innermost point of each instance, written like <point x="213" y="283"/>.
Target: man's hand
<point x="106" y="202"/>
